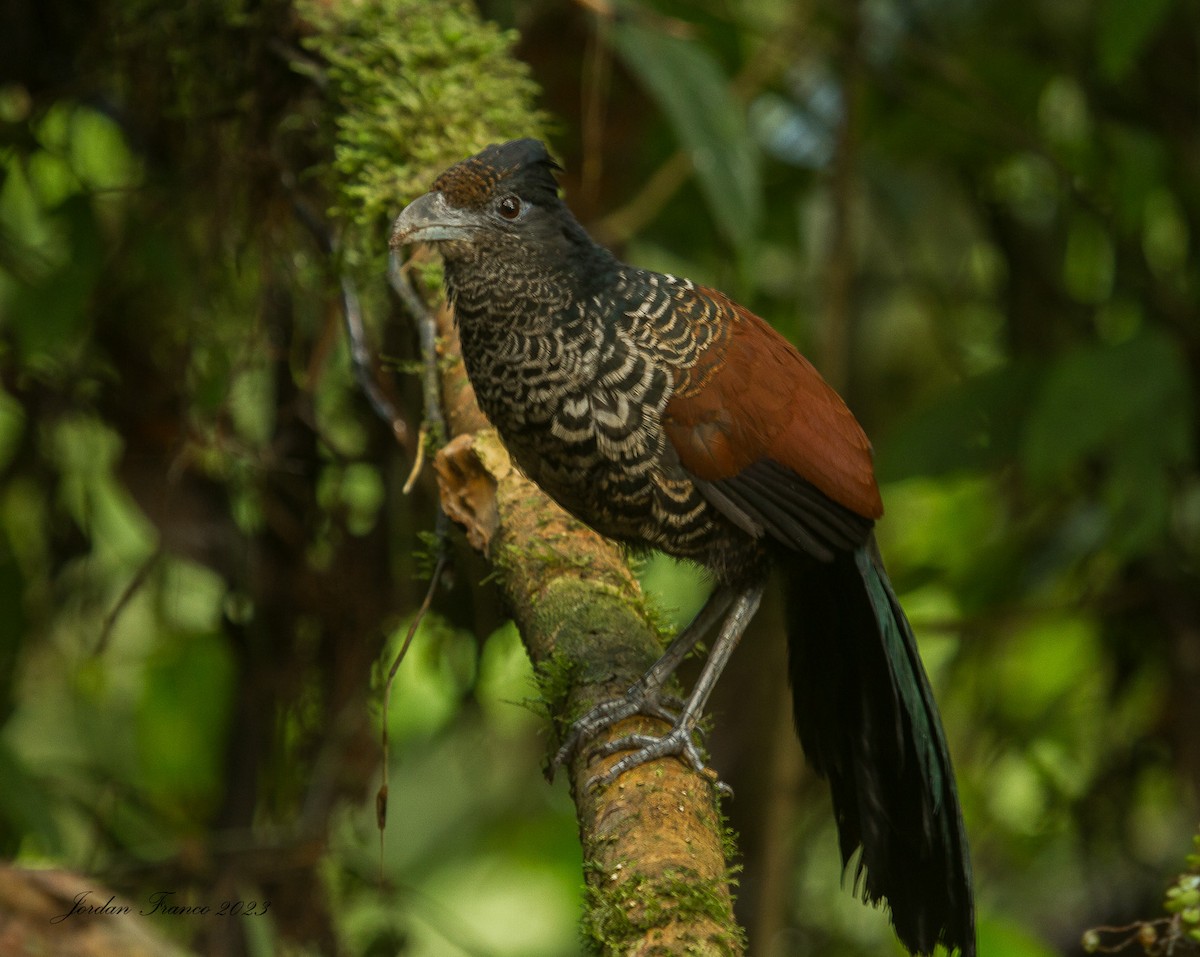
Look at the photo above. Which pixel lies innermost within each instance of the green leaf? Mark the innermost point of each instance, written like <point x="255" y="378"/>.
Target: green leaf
<point x="973" y="427"/>
<point x="182" y="718"/>
<point x="26" y="807"/>
<point x="1131" y="397"/>
<point x="50" y="314"/>
<point x="1123" y="30"/>
<point x="1090" y="261"/>
<point x="1010" y="938"/>
<point x="693" y="92"/>
<point x="1125" y="406"/>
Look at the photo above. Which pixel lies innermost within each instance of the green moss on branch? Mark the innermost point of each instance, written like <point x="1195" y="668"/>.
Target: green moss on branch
<point x="417" y="85"/>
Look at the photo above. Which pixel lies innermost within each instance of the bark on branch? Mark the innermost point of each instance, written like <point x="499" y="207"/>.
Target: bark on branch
<point x="653" y="842"/>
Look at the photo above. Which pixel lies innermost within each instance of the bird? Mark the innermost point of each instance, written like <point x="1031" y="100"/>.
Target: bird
<point x="668" y="417"/>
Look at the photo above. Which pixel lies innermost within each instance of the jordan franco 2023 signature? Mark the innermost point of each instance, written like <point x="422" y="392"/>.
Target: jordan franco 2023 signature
<point x="160" y="902"/>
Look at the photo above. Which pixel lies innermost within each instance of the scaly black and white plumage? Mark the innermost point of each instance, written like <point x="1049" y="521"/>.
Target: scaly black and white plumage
<point x="666" y="416"/>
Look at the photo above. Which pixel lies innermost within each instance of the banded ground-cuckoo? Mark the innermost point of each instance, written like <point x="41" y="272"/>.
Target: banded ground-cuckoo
<point x="666" y="416"/>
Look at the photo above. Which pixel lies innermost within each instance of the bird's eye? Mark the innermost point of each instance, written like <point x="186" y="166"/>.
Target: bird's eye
<point x="510" y="207"/>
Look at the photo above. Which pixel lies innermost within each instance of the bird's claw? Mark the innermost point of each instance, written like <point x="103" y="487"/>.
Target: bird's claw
<point x="647" y="747"/>
<point x="608" y="713"/>
<point x="677" y="742"/>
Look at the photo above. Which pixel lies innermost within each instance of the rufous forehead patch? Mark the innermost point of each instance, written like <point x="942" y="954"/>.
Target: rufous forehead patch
<point x="469" y="183"/>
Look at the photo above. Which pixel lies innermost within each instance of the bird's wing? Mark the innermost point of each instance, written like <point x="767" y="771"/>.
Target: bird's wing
<point x="769" y="442"/>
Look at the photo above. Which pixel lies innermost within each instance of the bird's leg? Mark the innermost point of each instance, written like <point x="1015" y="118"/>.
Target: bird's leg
<point x="678" y="741"/>
<point x="645" y="695"/>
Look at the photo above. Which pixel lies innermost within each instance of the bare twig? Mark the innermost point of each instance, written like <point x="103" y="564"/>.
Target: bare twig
<point x="361" y="355"/>
<point x="131" y="589"/>
<point x="364" y="364"/>
<point x="621" y="224"/>
<point x="1154" y="937"/>
<point x="418" y="460"/>
<point x="597" y="80"/>
<point x="426" y="323"/>
<point x="840" y="264"/>
<point x="381" y="796"/>
<point x="434" y="424"/>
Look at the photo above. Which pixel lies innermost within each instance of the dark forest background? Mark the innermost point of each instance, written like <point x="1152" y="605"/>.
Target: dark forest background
<point x="975" y="217"/>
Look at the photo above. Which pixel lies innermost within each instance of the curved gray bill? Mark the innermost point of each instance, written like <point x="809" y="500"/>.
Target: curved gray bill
<point x="430" y="219"/>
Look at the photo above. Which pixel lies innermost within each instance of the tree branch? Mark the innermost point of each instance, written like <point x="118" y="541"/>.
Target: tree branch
<point x="653" y="841"/>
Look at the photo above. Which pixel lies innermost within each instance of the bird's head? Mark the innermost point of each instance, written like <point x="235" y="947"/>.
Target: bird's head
<point x="501" y="200"/>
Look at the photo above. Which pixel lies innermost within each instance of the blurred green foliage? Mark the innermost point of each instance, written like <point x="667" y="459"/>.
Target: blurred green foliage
<point x="205" y="556"/>
<point x="691" y="88"/>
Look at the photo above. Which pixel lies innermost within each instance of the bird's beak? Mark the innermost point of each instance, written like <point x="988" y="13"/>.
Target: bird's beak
<point x="430" y="219"/>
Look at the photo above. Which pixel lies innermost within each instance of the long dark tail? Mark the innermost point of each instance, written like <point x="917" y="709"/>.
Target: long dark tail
<point x="868" y="722"/>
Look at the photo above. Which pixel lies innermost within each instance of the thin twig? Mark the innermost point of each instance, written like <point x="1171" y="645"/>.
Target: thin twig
<point x="597" y="81"/>
<point x="131" y="589"/>
<point x="434" y="423"/>
<point x="624" y="223"/>
<point x="418" y="460"/>
<point x="364" y="365"/>
<point x="361" y="356"/>
<point x="426" y="323"/>
<point x="836" y="330"/>
<point x="1159" y="936"/>
<point x="381" y="796"/>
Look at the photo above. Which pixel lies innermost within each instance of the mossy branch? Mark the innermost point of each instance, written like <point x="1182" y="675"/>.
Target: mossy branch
<point x="654" y="842"/>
